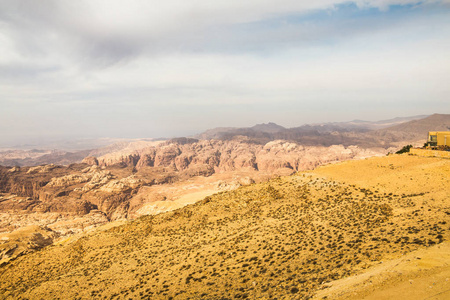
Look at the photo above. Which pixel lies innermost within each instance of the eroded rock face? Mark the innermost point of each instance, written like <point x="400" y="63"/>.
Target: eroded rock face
<point x="75" y="190"/>
<point x="90" y="160"/>
<point x="41" y="169"/>
<point x="23" y="241"/>
<point x="107" y="184"/>
<point x="70" y="179"/>
<point x="232" y="155"/>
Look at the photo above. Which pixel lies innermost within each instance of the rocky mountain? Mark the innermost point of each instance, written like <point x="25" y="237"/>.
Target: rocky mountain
<point x="116" y="185"/>
<point x="34" y="157"/>
<point x="212" y="156"/>
<point x="294" y="237"/>
<point x="362" y="125"/>
<point x="419" y="128"/>
<point x="323" y="134"/>
<point x="129" y="179"/>
<point x="385" y="134"/>
<point x="221" y="132"/>
<point x="269" y="127"/>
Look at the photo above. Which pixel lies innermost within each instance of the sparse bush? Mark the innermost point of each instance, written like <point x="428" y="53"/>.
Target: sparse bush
<point x="405" y="149"/>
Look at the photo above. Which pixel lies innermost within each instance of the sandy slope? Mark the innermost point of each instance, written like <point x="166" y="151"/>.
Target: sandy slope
<point x="348" y="231"/>
<point x="421" y="274"/>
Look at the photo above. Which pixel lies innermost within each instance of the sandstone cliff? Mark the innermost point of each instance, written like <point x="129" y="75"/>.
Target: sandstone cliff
<point x="235" y="155"/>
<point x="117" y="184"/>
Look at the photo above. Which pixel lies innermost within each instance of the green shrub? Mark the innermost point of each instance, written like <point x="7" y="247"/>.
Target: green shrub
<point x="405" y="149"/>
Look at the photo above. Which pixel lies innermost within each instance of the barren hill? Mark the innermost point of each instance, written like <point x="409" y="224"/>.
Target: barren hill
<point x="269" y="127"/>
<point x="355" y="132"/>
<point x="377" y="124"/>
<point x="385" y="134"/>
<point x="292" y="237"/>
<point x="416" y="129"/>
<point x="438" y="122"/>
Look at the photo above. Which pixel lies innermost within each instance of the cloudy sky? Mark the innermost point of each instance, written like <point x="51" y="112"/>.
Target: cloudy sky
<point x="133" y="68"/>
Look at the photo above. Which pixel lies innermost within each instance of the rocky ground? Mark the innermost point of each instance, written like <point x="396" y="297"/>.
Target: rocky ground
<point x="292" y="237"/>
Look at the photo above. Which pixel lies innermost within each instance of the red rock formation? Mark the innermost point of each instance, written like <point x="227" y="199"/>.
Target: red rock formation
<point x="236" y="155"/>
<point x="111" y="181"/>
<point x="90" y="160"/>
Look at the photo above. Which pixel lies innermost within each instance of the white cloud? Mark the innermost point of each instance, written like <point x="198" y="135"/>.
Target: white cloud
<point x="95" y="60"/>
<point x="101" y="33"/>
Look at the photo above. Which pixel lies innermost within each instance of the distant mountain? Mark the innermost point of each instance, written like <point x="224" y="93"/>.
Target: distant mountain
<point x="67" y="144"/>
<point x="41" y="157"/>
<point x="309" y="133"/>
<point x="62" y="157"/>
<point x="365" y="134"/>
<point x="415" y="130"/>
<point x="214" y="133"/>
<point x="398" y="120"/>
<point x="372" y="125"/>
<point x="436" y="122"/>
<point x="269" y="127"/>
<point x="357" y="132"/>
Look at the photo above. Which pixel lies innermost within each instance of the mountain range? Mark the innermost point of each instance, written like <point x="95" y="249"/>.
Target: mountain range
<point x="272" y="128"/>
<point x="386" y="133"/>
<point x="380" y="134"/>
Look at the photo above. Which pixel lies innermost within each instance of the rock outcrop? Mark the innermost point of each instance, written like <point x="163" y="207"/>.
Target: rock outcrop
<point x="23" y="241"/>
<point x="233" y="155"/>
<point x="90" y="160"/>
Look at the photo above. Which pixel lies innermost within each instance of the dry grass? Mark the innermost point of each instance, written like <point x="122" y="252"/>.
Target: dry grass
<point x="288" y="238"/>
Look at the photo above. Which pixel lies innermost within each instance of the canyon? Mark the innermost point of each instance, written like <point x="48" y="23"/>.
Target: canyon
<point x="375" y="227"/>
<point x="44" y="204"/>
<point x="124" y="185"/>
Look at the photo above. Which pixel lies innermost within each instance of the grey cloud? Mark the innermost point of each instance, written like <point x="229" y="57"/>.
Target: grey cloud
<point x="71" y="71"/>
<point x="19" y="72"/>
<point x="69" y="30"/>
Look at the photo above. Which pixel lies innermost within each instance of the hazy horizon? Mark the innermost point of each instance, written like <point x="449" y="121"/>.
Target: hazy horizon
<point x="145" y="69"/>
<point x="85" y="143"/>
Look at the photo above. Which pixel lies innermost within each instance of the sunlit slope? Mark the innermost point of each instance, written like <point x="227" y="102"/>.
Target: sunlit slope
<point x="421" y="274"/>
<point x="288" y="238"/>
<point x="403" y="173"/>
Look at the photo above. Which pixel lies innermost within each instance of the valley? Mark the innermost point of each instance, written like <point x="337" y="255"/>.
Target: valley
<point x="227" y="218"/>
<point x="224" y="150"/>
<point x="290" y="237"/>
<point x="157" y="178"/>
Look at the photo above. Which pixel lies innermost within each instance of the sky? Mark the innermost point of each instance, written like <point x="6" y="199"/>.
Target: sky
<point x="143" y="69"/>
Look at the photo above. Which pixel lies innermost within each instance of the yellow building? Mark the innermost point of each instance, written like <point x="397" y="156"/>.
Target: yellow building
<point x="439" y="138"/>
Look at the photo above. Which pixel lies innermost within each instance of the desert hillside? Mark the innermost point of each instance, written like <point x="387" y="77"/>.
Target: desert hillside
<point x="293" y="237"/>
